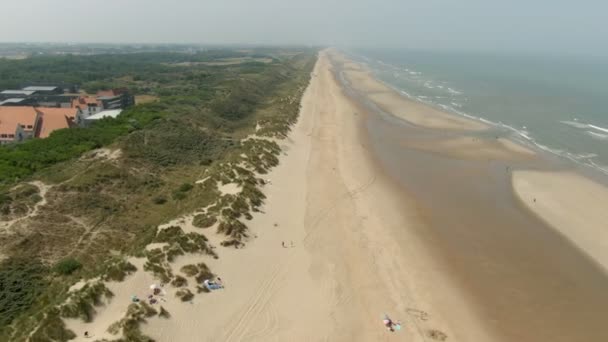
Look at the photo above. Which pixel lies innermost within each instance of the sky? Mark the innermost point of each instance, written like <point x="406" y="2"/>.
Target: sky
<point x="487" y="25"/>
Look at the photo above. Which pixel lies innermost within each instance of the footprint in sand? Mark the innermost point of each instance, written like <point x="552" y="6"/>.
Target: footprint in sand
<point x="437" y="335"/>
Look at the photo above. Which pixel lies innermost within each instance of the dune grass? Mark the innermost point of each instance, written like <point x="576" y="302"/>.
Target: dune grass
<point x="102" y="209"/>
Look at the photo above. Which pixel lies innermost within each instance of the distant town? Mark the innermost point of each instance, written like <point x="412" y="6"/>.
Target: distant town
<point x="35" y="111"/>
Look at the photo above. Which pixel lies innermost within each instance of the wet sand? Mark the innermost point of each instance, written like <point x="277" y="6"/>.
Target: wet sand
<point x="527" y="281"/>
<point x="386" y="216"/>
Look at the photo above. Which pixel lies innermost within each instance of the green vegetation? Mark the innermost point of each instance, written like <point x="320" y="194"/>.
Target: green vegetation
<point x="101" y="208"/>
<point x="163" y="313"/>
<point x="204" y="220"/>
<point x="19" y="201"/>
<point x="117" y="270"/>
<point x="179" y="281"/>
<point x="129" y="325"/>
<point x="81" y="304"/>
<point x="21" y="282"/>
<point x="184" y="294"/>
<point x="189" y="270"/>
<point x="67" y="266"/>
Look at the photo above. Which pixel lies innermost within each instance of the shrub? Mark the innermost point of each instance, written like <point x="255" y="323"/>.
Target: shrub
<point x="81" y="303"/>
<point x="179" y="281"/>
<point x="67" y="266"/>
<point x="204" y="220"/>
<point x="185" y="187"/>
<point x="117" y="271"/>
<point x="184" y="294"/>
<point x="189" y="270"/>
<point x="204" y="273"/>
<point x="159" y="200"/>
<point x="21" y="281"/>
<point x="178" y="195"/>
<point x="164" y="313"/>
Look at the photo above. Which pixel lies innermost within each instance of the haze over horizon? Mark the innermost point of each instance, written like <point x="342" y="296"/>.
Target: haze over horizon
<point x="553" y="26"/>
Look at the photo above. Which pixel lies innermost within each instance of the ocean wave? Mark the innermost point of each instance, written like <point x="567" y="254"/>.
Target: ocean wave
<point x="598" y="136"/>
<point x="520" y="135"/>
<point x="454" y="91"/>
<point x="602" y="129"/>
<point x="587" y="126"/>
<point x="575" y="124"/>
<point x="456" y="104"/>
<point x="405" y="93"/>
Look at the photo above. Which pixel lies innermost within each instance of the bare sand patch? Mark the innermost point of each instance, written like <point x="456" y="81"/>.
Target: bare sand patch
<point x="392" y="102"/>
<point x="362" y="81"/>
<point x="472" y="148"/>
<point x="573" y="204"/>
<point x="515" y="147"/>
<point x="141" y="99"/>
<point x="421" y="114"/>
<point x="105" y="153"/>
<point x="229" y="188"/>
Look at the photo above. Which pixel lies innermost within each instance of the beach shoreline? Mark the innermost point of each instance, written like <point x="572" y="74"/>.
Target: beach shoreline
<point x="371" y="212"/>
<point x="463" y="181"/>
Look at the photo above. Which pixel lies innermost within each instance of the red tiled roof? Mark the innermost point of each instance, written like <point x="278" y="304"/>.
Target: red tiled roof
<point x="84" y="101"/>
<point x="10" y="117"/>
<point x="52" y="119"/>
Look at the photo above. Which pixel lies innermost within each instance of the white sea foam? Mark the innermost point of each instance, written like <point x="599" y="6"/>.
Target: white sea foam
<point x="522" y="136"/>
<point x="598" y="136"/>
<point x="454" y="91"/>
<point x="602" y="129"/>
<point x="575" y="124"/>
<point x="455" y="104"/>
<point x="586" y="155"/>
<point x="587" y="126"/>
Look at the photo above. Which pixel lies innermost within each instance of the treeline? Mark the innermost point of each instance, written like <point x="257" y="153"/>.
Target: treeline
<point x="84" y="70"/>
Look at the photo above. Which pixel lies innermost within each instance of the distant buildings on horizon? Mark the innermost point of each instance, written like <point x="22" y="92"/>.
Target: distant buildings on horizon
<point x="35" y="111"/>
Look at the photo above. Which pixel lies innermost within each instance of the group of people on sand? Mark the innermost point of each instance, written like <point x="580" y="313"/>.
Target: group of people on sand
<point x="214" y="284"/>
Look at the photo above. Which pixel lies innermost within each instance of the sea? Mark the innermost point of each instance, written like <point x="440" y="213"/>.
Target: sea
<point x="553" y="103"/>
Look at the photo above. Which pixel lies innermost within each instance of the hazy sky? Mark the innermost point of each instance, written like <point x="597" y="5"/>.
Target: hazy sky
<point x="435" y="24"/>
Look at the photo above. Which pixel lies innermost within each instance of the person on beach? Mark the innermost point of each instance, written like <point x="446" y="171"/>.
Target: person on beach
<point x="283" y="244"/>
<point x="389" y="324"/>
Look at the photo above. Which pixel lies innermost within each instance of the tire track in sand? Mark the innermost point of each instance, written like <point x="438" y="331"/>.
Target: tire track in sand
<point x="257" y="305"/>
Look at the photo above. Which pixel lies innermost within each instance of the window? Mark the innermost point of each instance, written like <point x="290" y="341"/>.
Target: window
<point x="3" y="136"/>
<point x="11" y="135"/>
<point x="29" y="126"/>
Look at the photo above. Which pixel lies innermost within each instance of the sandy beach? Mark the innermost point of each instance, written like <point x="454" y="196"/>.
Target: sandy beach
<point x="572" y="204"/>
<point x="409" y="214"/>
<point x="353" y="257"/>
